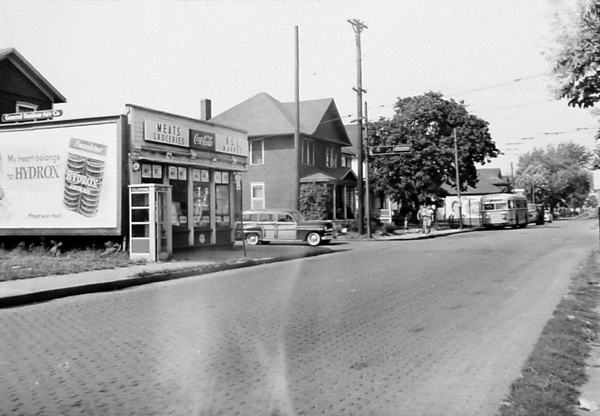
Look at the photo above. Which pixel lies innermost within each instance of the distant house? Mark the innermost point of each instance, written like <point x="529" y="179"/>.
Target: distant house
<point x="22" y="88"/>
<point x="271" y="179"/>
<point x="490" y="181"/>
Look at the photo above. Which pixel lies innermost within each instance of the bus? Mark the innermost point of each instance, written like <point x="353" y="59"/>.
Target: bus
<point x="501" y="210"/>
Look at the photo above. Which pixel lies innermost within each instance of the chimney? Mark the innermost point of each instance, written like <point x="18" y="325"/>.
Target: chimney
<point x="205" y="109"/>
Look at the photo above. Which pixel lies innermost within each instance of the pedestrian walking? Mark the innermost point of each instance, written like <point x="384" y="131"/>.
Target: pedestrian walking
<point x="425" y="215"/>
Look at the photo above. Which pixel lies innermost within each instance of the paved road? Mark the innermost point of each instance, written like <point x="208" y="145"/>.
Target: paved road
<point x="432" y="327"/>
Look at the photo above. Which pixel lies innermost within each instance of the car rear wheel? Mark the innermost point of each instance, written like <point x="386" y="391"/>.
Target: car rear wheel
<point x="252" y="239"/>
<point x="313" y="239"/>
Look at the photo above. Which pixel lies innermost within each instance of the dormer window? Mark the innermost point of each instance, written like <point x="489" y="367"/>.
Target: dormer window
<point x="23" y="107"/>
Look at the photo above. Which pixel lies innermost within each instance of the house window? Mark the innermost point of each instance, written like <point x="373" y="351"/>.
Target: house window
<point x="308" y="152"/>
<point x="331" y="157"/>
<point x="257" y="195"/>
<point x="25" y="107"/>
<point x="257" y="152"/>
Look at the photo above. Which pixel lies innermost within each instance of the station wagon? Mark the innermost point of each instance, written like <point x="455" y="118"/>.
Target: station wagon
<point x="265" y="226"/>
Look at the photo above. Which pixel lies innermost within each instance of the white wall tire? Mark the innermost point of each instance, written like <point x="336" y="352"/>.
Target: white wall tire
<point x="252" y="239"/>
<point x="313" y="239"/>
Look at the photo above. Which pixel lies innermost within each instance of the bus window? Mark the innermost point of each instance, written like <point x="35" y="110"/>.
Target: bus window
<point x="488" y="207"/>
<point x="511" y="204"/>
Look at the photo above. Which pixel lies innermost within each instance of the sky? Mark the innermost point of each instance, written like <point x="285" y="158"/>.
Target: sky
<point x="168" y="55"/>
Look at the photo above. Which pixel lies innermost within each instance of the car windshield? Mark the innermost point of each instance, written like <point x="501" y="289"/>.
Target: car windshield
<point x="297" y="216"/>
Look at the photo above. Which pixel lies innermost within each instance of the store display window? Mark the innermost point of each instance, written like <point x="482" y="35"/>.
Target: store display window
<point x="201" y="198"/>
<point x="179" y="198"/>
<point x="222" y="194"/>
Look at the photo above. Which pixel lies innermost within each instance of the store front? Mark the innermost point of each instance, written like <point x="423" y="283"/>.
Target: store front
<point x="199" y="162"/>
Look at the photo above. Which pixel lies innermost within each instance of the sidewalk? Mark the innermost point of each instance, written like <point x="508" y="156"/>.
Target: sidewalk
<point x="184" y="264"/>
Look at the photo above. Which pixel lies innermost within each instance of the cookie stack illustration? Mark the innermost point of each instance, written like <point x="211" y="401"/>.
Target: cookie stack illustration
<point x="83" y="178"/>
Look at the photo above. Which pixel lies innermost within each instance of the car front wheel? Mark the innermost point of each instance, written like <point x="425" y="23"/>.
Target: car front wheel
<point x="252" y="239"/>
<point x="313" y="239"/>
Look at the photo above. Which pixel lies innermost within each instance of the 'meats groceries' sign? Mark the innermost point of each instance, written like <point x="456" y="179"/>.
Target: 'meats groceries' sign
<point x="175" y="134"/>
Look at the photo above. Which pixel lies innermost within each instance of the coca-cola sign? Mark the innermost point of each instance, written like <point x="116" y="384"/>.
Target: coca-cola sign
<point x="202" y="140"/>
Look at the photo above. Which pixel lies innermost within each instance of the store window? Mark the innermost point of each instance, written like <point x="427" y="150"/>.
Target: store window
<point x="257" y="152"/>
<point x="179" y="207"/>
<point x="223" y="199"/>
<point x="308" y="152"/>
<point x="201" y="198"/>
<point x="152" y="173"/>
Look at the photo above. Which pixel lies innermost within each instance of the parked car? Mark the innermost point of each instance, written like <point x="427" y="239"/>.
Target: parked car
<point x="265" y="226"/>
<point x="532" y="213"/>
<point x="548" y="217"/>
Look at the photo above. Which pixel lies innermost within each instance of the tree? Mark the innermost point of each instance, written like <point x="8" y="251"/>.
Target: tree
<point x="568" y="179"/>
<point x="535" y="180"/>
<point x="576" y="56"/>
<point x="426" y="123"/>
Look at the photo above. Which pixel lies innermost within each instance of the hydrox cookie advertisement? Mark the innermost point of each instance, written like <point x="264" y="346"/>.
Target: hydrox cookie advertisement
<point x="60" y="177"/>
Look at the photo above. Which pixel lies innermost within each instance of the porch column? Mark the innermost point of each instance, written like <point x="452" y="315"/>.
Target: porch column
<point x="334" y="201"/>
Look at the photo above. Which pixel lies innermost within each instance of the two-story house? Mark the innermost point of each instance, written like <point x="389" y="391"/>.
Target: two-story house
<point x="23" y="89"/>
<point x="272" y="178"/>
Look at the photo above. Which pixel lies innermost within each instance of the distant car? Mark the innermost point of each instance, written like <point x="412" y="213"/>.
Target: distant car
<point x="265" y="226"/>
<point x="532" y="213"/>
<point x="548" y="216"/>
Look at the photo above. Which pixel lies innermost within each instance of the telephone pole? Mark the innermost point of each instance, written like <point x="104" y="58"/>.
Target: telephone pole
<point x="358" y="27"/>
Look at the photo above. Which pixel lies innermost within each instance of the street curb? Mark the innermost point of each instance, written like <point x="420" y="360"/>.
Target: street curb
<point x="144" y="278"/>
<point x="415" y="236"/>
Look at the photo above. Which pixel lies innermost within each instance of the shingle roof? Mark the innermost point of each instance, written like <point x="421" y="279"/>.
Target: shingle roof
<point x="30" y="72"/>
<point x="263" y="115"/>
<point x="486" y="184"/>
<point x="339" y="175"/>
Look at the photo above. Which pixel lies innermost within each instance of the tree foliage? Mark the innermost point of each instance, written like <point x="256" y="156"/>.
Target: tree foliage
<point x="576" y="57"/>
<point x="426" y="123"/>
<point x="315" y="201"/>
<point x="565" y="167"/>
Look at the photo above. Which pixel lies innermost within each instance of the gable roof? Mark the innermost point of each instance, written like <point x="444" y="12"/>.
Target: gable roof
<point x="494" y="176"/>
<point x="352" y="130"/>
<point x="490" y="182"/>
<point x="263" y="115"/>
<point x="344" y="176"/>
<point x="12" y="55"/>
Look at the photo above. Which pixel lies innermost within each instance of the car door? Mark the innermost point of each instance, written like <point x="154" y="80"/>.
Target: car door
<point x="267" y="222"/>
<point x="286" y="227"/>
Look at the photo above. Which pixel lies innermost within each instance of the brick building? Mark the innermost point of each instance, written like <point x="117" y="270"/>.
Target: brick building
<point x="271" y="180"/>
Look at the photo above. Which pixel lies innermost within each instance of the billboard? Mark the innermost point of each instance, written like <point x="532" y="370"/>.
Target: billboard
<point x="61" y="178"/>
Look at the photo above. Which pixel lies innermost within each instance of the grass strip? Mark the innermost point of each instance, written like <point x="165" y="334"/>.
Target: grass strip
<point x="555" y="370"/>
<point x="38" y="261"/>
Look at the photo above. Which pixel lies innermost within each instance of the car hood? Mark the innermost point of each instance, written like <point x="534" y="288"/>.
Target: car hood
<point x="316" y="223"/>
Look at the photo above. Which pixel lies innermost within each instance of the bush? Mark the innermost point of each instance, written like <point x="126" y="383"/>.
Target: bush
<point x="315" y="201"/>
